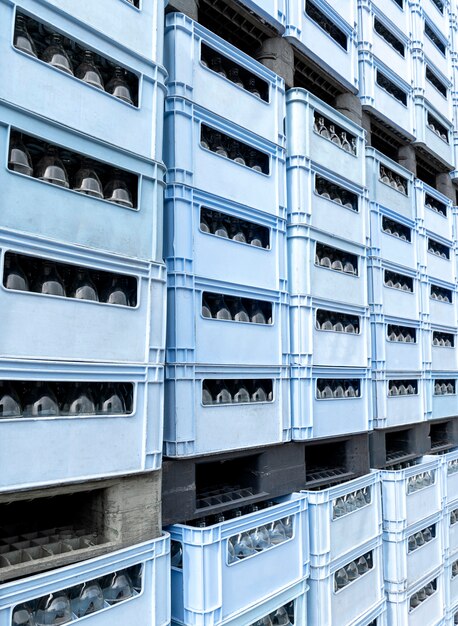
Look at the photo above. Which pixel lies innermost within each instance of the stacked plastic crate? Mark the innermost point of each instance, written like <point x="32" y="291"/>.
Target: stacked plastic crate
<point x="81" y="108"/>
<point x="450" y="508"/>
<point x="327" y="257"/>
<point x="227" y="339"/>
<point x="413" y="542"/>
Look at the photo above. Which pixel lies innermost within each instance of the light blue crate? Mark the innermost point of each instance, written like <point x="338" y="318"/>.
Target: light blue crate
<point x="427" y="139"/>
<point x="395" y="355"/>
<point x="58" y="96"/>
<point x="272" y="11"/>
<point x="401" y="508"/>
<point x="450" y="485"/>
<point x="191" y="164"/>
<point x="388" y="246"/>
<point x="431" y="218"/>
<point x="436" y="267"/>
<point x="308" y="278"/>
<point x="304" y="141"/>
<point x="375" y="616"/>
<point x="297" y="594"/>
<point x="430" y="611"/>
<point x="403" y="568"/>
<point x="190" y="78"/>
<point x="149" y="607"/>
<point x="137" y="30"/>
<point x="390" y="301"/>
<point x="332" y="536"/>
<point x="101" y="445"/>
<point x="208" y="589"/>
<point x="432" y="97"/>
<point x="443" y="405"/>
<point x="191" y="337"/>
<point x="65" y="215"/>
<point x="391" y="410"/>
<point x="440" y="313"/>
<point x="189" y="249"/>
<point x="39" y="326"/>
<point x="450" y="619"/>
<point x="451" y="582"/>
<point x="316" y="418"/>
<point x="383" y="193"/>
<point x="353" y="602"/>
<point x="192" y="428"/>
<point x="450" y="526"/>
<point x="306" y="206"/>
<point x="305" y="34"/>
<point x="315" y="346"/>
<point x="376" y="94"/>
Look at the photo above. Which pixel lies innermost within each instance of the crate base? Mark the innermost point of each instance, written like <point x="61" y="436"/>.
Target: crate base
<point x="395" y="445"/>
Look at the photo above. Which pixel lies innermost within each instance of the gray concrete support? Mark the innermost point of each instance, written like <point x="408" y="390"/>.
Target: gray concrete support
<point x="445" y="185"/>
<point x="188" y="7"/>
<point x="277" y="54"/>
<point x="350" y="105"/>
<point x="407" y="158"/>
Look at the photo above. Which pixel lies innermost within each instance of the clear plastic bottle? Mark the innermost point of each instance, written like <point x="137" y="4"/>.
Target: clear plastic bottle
<point x="56" y="56"/>
<point x="23" y="616"/>
<point x="87" y="599"/>
<point x="117" y="587"/>
<point x="14" y="276"/>
<point x="49" y="282"/>
<point x="19" y="159"/>
<point x="22" y="40"/>
<point x="54" y="610"/>
<point x="260" y="538"/>
<point x="40" y="401"/>
<point x="88" y="72"/>
<point x="243" y="546"/>
<point x="118" y="86"/>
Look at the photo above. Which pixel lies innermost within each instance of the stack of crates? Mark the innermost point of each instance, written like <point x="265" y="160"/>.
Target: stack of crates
<point x="81" y="110"/>
<point x="413" y="542"/>
<point x="327" y="262"/>
<point x="227" y="326"/>
<point x="450" y="508"/>
<point x="346" y="567"/>
<point x="395" y="294"/>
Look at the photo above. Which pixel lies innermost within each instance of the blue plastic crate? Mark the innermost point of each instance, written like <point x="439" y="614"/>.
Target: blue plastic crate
<point x="102" y="445"/>
<point x="435" y="211"/>
<point x="450" y="526"/>
<point x="373" y="17"/>
<point x="150" y="606"/>
<point x="190" y="163"/>
<point x="315" y="417"/>
<point x="443" y="404"/>
<point x="426" y="138"/>
<point x="193" y="338"/>
<point x="351" y="603"/>
<point x="394" y="238"/>
<point x="337" y="524"/>
<point x="375" y="616"/>
<point x="319" y="198"/>
<point x="340" y="59"/>
<point x="404" y="567"/>
<point x="430" y="611"/>
<point x="56" y="95"/>
<point x="65" y="215"/>
<point x="189" y="77"/>
<point x="189" y="248"/>
<point x="440" y="312"/>
<point x="308" y="277"/>
<point x="396" y="410"/>
<point x="437" y="267"/>
<point x="307" y="140"/>
<point x="451" y="581"/>
<point x="193" y="428"/>
<point x="41" y="326"/>
<point x="314" y="342"/>
<point x="209" y="588"/>
<point x="440" y="19"/>
<point x="450" y="484"/>
<point x="440" y="101"/>
<point x="391" y="301"/>
<point x="272" y="11"/>
<point x="392" y="354"/>
<point x="403" y="504"/>
<point x="139" y="30"/>
<point x="383" y="192"/>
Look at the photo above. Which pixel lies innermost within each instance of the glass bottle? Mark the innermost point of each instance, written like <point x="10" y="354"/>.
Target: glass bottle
<point x="221" y="308"/>
<point x="56" y="56"/>
<point x="204" y="226"/>
<point x="217" y="144"/>
<point x="253" y="161"/>
<point x="254" y="237"/>
<point x="345" y="143"/>
<point x="13" y="275"/>
<point x="352" y="571"/>
<point x="242" y="394"/>
<point x="79" y="401"/>
<point x="219" y="227"/>
<point x="88" y="72"/>
<point x="116" y="191"/>
<point x="235" y="152"/>
<point x="251" y="86"/>
<point x="362" y="565"/>
<point x="23" y="616"/>
<point x="87" y="599"/>
<point x="234" y="76"/>
<point x="259" y="393"/>
<point x="243" y="546"/>
<point x="223" y="395"/>
<point x="50" y="169"/>
<point x="49" y="282"/>
<point x="116" y="292"/>
<point x="54" y="609"/>
<point x="260" y="538"/>
<point x="22" y="40"/>
<point x="216" y="65"/>
<point x="239" y="313"/>
<point x="176" y="554"/>
<point x="118" y="86"/>
<point x="322" y="188"/>
<point x="237" y="233"/>
<point x="324" y="132"/>
<point x="340" y="579"/>
<point x="206" y="311"/>
<point x="333" y="135"/>
<point x="83" y="288"/>
<point x="40" y="401"/>
<point x="19" y="159"/>
<point x="110" y="400"/>
<point x="281" y="617"/>
<point x="10" y="404"/>
<point x="207" y="397"/>
<point x="87" y="181"/>
<point x="256" y="313"/>
<point x="117" y="587"/>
